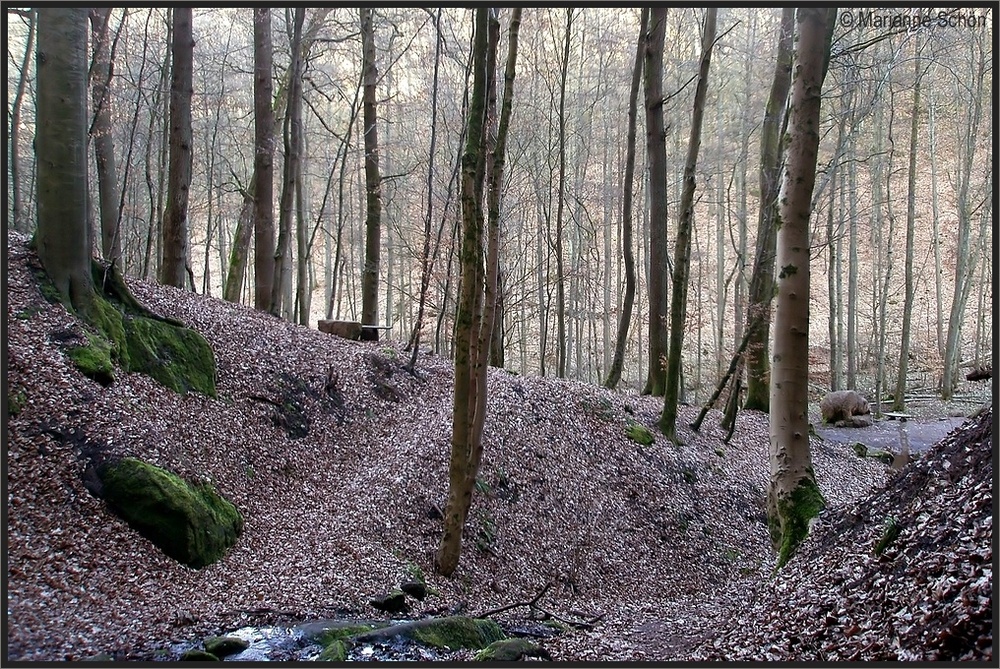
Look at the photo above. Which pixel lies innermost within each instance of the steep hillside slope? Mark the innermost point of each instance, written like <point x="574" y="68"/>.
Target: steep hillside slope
<point x="339" y="514"/>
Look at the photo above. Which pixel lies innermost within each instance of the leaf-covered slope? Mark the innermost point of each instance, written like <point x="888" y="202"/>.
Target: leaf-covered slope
<point x="342" y="513"/>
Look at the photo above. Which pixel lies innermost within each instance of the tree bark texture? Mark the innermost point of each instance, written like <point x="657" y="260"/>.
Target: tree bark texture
<point x="656" y="150"/>
<point x="682" y="252"/>
<point x="793" y="496"/>
<point x="263" y="178"/>
<point x="63" y="236"/>
<point x="175" y="223"/>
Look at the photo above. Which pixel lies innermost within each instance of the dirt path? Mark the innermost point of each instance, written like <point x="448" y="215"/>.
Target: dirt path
<point x="922" y="433"/>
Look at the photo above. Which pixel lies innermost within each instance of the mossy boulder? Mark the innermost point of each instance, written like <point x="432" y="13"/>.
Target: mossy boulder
<point x="224" y="646"/>
<point x="640" y="434"/>
<point x="451" y="633"/>
<point x="511" y="650"/>
<point x="860" y="449"/>
<point x="177" y="357"/>
<point x="322" y="632"/>
<point x="195" y="655"/>
<point x="190" y="523"/>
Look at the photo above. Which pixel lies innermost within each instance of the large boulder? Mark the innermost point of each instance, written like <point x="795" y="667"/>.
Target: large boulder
<point x="190" y="523"/>
<point x="841" y="405"/>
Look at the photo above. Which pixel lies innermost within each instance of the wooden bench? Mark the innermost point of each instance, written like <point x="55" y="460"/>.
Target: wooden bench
<point x="351" y="329"/>
<point x="893" y="415"/>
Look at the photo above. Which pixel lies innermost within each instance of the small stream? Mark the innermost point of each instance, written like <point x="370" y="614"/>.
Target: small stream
<point x="888" y="435"/>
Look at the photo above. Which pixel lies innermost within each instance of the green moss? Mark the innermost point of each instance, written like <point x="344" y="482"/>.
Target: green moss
<point x="195" y="655"/>
<point x="889" y="535"/>
<point x="860" y="449"/>
<point x="190" y="523"/>
<point x="338" y="634"/>
<point x="883" y="456"/>
<point x="795" y="511"/>
<point x="93" y="359"/>
<point x="509" y="650"/>
<point x="335" y="651"/>
<point x="16" y="402"/>
<point x="640" y="434"/>
<point x="458" y="632"/>
<point x="177" y="357"/>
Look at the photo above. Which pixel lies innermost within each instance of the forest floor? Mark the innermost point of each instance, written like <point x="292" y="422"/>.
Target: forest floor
<point x="664" y="549"/>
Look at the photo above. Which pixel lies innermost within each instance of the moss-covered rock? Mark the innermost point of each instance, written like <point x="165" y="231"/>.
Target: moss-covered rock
<point x="640" y="434"/>
<point x="452" y="632"/>
<point x="16" y="401"/>
<point x="93" y="359"/>
<point x="190" y="523"/>
<point x="224" y="646"/>
<point x="511" y="650"/>
<point x="195" y="655"/>
<point x="177" y="357"/>
<point x="860" y="449"/>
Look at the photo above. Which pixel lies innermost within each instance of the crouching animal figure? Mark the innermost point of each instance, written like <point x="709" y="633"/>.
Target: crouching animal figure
<point x="846" y="408"/>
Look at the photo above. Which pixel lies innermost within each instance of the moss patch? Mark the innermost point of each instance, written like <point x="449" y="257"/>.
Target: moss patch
<point x="794" y="513"/>
<point x="889" y="535"/>
<point x="224" y="646"/>
<point x="190" y="523"/>
<point x="510" y="650"/>
<point x="335" y="651"/>
<point x="16" y="401"/>
<point x="450" y="633"/>
<point x="640" y="434"/>
<point x="860" y="449"/>
<point x="93" y="359"/>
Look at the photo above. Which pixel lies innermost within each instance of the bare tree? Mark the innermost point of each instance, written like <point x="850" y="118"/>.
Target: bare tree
<point x="175" y="223"/>
<point x="373" y="189"/>
<point x="656" y="151"/>
<point x="682" y="252"/>
<point x="628" y="300"/>
<point x="101" y="133"/>
<point x="263" y="181"/>
<point x="18" y="217"/>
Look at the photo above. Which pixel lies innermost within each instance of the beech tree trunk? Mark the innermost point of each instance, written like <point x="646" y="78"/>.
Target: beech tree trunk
<point x="560" y="205"/>
<point x="656" y="150"/>
<point x="628" y="299"/>
<point x="761" y="287"/>
<point x="373" y="191"/>
<point x="263" y="178"/>
<point x="793" y="496"/>
<point x="175" y="223"/>
<point x="682" y="252"/>
<point x="64" y="238"/>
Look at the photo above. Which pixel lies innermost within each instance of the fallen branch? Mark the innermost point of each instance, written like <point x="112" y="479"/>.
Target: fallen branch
<point x="533" y="605"/>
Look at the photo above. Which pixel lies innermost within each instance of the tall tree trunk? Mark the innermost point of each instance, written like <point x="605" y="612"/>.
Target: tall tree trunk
<point x="104" y="147"/>
<point x="175" y="223"/>
<point x="18" y="217"/>
<point x="427" y="260"/>
<point x="656" y="151"/>
<point x="682" y="252"/>
<point x="263" y="176"/>
<point x="560" y="203"/>
<point x="472" y="324"/>
<point x="281" y="288"/>
<point x="63" y="236"/>
<point x="965" y="261"/>
<point x="762" y="278"/>
<point x="899" y="396"/>
<point x="936" y="225"/>
<point x="373" y="189"/>
<point x="628" y="300"/>
<point x="793" y="496"/>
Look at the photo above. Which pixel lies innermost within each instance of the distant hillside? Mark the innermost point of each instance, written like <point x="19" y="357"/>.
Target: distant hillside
<point x="341" y="489"/>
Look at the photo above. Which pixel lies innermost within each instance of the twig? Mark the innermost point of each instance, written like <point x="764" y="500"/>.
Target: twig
<point x="533" y="604"/>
